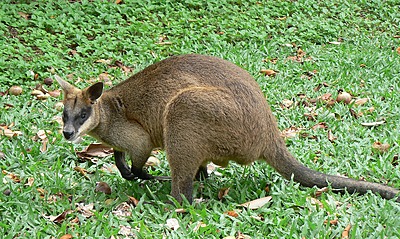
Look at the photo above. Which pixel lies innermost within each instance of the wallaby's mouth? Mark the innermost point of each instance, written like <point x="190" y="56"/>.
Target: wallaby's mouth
<point x="72" y="137"/>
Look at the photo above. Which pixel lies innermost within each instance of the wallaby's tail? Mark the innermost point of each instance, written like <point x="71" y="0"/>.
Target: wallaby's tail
<point x="285" y="163"/>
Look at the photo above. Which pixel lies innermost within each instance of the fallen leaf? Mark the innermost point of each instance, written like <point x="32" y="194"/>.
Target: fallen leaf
<point x="381" y="147"/>
<point x="331" y="137"/>
<point x="180" y="210"/>
<point x="133" y="201"/>
<point x="286" y="104"/>
<point x="320" y="191"/>
<point x="4" y="130"/>
<point x="290" y="132"/>
<point x="102" y="187"/>
<point x="232" y="213"/>
<point x="398" y="50"/>
<point x="373" y="123"/>
<point x="255" y="204"/>
<point x="345" y="233"/>
<point x="86" y="210"/>
<point x="26" y="16"/>
<point x="172" y="223"/>
<point x="335" y="42"/>
<point x="41" y="191"/>
<point x="126" y="231"/>
<point x="222" y="193"/>
<point x="331" y="222"/>
<point x="123" y="210"/>
<point x="321" y="125"/>
<point x="29" y="182"/>
<point x="198" y="226"/>
<point x="315" y="202"/>
<point x="95" y="150"/>
<point x="268" y="72"/>
<point x="125" y="69"/>
<point x="54" y="93"/>
<point x="59" y="218"/>
<point x="361" y="101"/>
<point x="15" y="178"/>
<point x="66" y="236"/>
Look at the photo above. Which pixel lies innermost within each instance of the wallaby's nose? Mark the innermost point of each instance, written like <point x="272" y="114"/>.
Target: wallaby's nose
<point x="68" y="134"/>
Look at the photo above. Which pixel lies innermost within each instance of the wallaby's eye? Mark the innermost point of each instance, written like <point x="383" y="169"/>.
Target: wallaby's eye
<point x="83" y="115"/>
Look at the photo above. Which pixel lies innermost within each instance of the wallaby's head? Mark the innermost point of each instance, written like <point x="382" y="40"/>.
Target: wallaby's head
<point x="81" y="113"/>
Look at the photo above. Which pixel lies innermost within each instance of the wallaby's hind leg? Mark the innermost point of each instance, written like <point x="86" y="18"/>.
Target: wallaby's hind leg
<point x="183" y="172"/>
<point x="122" y="166"/>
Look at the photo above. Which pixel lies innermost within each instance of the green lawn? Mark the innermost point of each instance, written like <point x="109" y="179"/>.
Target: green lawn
<point x="315" y="47"/>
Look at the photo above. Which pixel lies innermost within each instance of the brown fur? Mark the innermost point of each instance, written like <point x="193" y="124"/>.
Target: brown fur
<point x="199" y="109"/>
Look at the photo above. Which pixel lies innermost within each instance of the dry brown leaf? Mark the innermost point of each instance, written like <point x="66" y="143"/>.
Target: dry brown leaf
<point x="315" y="202"/>
<point x="133" y="201"/>
<point x="95" y="150"/>
<point x="325" y="97"/>
<point x="41" y="191"/>
<point x="4" y="130"/>
<point x="180" y="210"/>
<point x="54" y="93"/>
<point x="346" y="231"/>
<point x="381" y="147"/>
<point x="66" y="236"/>
<point x="290" y="132"/>
<point x="123" y="210"/>
<point x="30" y="182"/>
<point x="321" y="125"/>
<point x="331" y="137"/>
<point x="198" y="226"/>
<point x="286" y="104"/>
<point x="361" y="101"/>
<point x="82" y="171"/>
<point x="331" y="222"/>
<point x="24" y="15"/>
<point x="255" y="204"/>
<point x="124" y="68"/>
<point x="126" y="231"/>
<point x="59" y="218"/>
<point x="102" y="187"/>
<point x="86" y="210"/>
<point x="398" y="50"/>
<point x="320" y="191"/>
<point x="268" y="72"/>
<point x="232" y="213"/>
<point x="15" y="178"/>
<point x="222" y="193"/>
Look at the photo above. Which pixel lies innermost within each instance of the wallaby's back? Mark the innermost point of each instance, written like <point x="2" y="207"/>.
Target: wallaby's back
<point x="149" y="91"/>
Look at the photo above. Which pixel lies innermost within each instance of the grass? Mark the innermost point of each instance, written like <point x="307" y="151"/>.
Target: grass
<point x="41" y="38"/>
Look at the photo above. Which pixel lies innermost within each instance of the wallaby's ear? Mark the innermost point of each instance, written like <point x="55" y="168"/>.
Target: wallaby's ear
<point x="67" y="87"/>
<point x="94" y="91"/>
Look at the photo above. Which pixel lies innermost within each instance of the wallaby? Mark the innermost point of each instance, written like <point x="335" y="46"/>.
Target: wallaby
<point x="199" y="109"/>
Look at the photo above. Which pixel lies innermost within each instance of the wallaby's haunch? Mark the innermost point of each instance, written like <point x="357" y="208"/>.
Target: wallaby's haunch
<point x="199" y="109"/>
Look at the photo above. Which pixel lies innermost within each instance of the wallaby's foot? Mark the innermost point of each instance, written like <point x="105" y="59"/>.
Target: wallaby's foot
<point x="140" y="173"/>
<point x="201" y="173"/>
<point x="122" y="166"/>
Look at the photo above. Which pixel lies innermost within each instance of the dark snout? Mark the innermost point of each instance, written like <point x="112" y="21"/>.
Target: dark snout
<point x="68" y="134"/>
